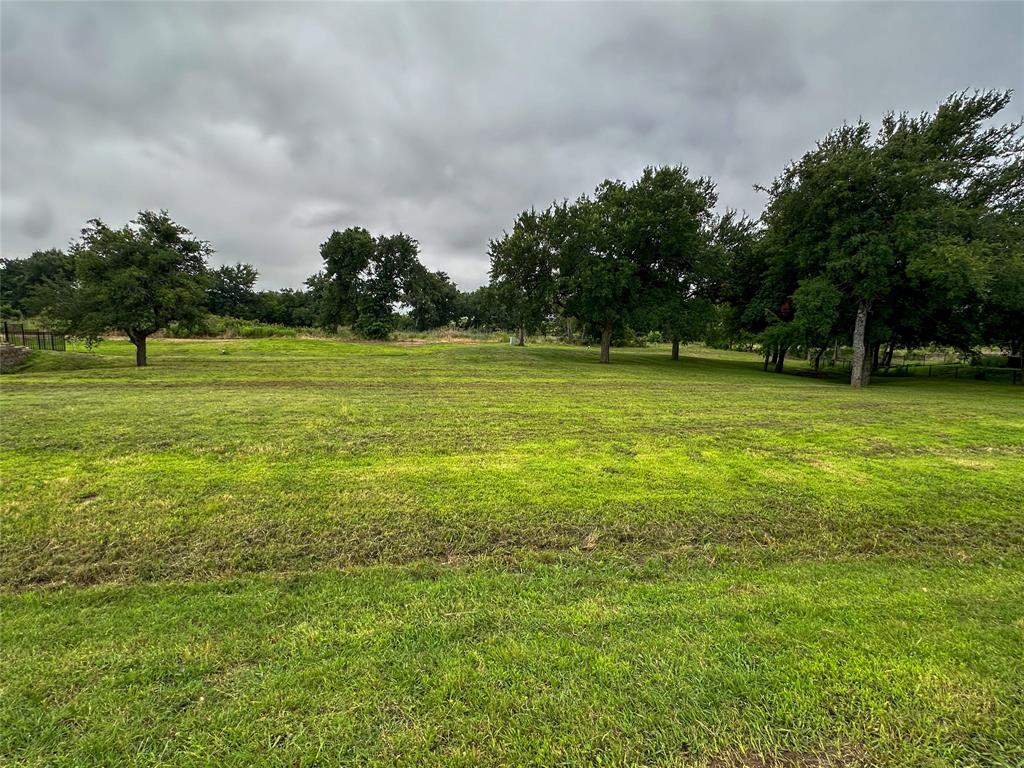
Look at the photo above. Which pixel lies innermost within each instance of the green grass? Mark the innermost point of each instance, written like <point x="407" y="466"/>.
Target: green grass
<point x="44" y="362"/>
<point x="309" y="552"/>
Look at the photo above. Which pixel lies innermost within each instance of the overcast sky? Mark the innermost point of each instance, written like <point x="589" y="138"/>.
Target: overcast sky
<point x="262" y="127"/>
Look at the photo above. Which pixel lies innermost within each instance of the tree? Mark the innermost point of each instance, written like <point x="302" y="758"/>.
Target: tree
<point x="637" y="254"/>
<point x="346" y="256"/>
<point x="816" y="306"/>
<point x="482" y="308"/>
<point x="742" y="265"/>
<point x="522" y="271"/>
<point x="383" y="285"/>
<point x="137" y="279"/>
<point x="24" y="282"/>
<point x="666" y="228"/>
<point x="597" y="282"/>
<point x="1002" y="321"/>
<point x="364" y="279"/>
<point x="899" y="215"/>
<point x="231" y="292"/>
<point x="431" y="297"/>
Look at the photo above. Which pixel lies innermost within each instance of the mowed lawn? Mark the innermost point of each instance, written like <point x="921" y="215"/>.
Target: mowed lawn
<point x="306" y="552"/>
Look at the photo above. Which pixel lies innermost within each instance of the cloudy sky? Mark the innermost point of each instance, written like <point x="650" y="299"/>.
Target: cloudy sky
<point x="264" y="126"/>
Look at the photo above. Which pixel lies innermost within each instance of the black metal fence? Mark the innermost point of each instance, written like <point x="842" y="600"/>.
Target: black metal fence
<point x="34" y="338"/>
<point x="954" y="371"/>
<point x="947" y="370"/>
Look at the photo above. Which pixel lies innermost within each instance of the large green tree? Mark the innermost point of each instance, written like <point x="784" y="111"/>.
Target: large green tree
<point x="365" y="278"/>
<point x="383" y="285"/>
<point x="896" y="215"/>
<point x="667" y="228"/>
<point x="1002" y="321"/>
<point x="137" y="279"/>
<point x="432" y="298"/>
<point x="638" y="254"/>
<point x="523" y="271"/>
<point x="347" y="256"/>
<point x="598" y="283"/>
<point x="232" y="291"/>
<point x="27" y="283"/>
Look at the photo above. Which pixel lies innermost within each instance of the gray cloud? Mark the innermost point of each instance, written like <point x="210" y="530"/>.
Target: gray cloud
<point x="262" y="126"/>
<point x="36" y="221"/>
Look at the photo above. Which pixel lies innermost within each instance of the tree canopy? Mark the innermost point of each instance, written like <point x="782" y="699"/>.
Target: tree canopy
<point x="367" y="277"/>
<point x="136" y="279"/>
<point x="908" y="225"/>
<point x="639" y="254"/>
<point x="28" y="284"/>
<point x="523" y="271"/>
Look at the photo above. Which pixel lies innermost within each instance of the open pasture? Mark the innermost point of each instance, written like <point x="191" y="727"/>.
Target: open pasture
<point x="299" y="552"/>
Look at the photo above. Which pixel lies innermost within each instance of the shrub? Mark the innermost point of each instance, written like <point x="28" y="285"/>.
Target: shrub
<point x="215" y="326"/>
<point x="377" y="330"/>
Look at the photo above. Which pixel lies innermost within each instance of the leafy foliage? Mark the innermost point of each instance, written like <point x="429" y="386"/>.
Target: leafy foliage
<point x="523" y="271"/>
<point x="28" y="285"/>
<point x="232" y="291"/>
<point x="902" y="224"/>
<point x="136" y="279"/>
<point x="366" y="278"/>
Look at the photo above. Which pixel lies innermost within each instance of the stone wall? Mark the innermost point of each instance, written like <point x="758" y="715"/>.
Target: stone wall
<point x="11" y="355"/>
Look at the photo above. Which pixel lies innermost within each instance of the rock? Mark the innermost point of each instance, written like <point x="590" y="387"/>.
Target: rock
<point x="11" y="356"/>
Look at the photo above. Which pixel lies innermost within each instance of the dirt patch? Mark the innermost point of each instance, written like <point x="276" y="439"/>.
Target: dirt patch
<point x="846" y="758"/>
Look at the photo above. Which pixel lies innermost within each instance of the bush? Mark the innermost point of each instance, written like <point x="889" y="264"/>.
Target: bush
<point x="628" y="339"/>
<point x="215" y="326"/>
<point x="992" y="361"/>
<point x="376" y="330"/>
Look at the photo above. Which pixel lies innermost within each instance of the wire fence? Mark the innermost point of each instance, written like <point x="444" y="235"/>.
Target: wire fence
<point x="943" y="370"/>
<point x="33" y="338"/>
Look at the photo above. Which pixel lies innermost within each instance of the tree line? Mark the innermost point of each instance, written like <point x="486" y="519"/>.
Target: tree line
<point x="153" y="272"/>
<point x="909" y="235"/>
<point x="898" y="237"/>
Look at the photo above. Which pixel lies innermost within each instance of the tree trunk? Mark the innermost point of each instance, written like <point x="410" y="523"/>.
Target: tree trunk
<point x="780" y="359"/>
<point x="606" y="343"/>
<point x="859" y="347"/>
<point x="835" y="353"/>
<point x="522" y="336"/>
<point x="775" y="355"/>
<point x="767" y="355"/>
<point x="889" y="350"/>
<point x="817" y="360"/>
<point x="875" y="350"/>
<point x="675" y="349"/>
<point x="139" y="340"/>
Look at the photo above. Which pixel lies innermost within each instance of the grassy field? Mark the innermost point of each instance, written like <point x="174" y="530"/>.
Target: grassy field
<point x="306" y="552"/>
